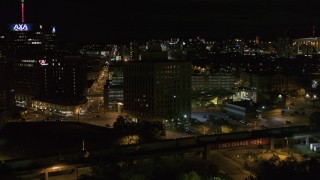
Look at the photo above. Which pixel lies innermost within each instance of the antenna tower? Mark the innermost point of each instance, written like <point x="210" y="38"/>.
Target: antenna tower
<point x="22" y="11"/>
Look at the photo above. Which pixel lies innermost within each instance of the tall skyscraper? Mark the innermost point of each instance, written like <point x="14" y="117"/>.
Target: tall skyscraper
<point x="27" y="48"/>
<point x="7" y="101"/>
<point x="64" y="77"/>
<point x="39" y="70"/>
<point x="6" y="90"/>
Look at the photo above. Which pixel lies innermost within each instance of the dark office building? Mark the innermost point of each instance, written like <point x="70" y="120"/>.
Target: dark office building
<point x="41" y="72"/>
<point x="28" y="48"/>
<point x="113" y="90"/>
<point x="157" y="88"/>
<point x="63" y="85"/>
<point x="64" y="77"/>
<point x="6" y="91"/>
<point x="7" y="101"/>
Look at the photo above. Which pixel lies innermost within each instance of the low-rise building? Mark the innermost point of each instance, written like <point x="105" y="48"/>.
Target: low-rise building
<point x="215" y="81"/>
<point x="244" y="109"/>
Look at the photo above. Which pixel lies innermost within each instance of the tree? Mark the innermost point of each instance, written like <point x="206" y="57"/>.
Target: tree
<point x="156" y="168"/>
<point x="119" y="123"/>
<point x="125" y="128"/>
<point x="301" y="92"/>
<point x="275" y="159"/>
<point x="143" y="170"/>
<point x="150" y="131"/>
<point x="289" y="168"/>
<point x="192" y="175"/>
<point x="104" y="171"/>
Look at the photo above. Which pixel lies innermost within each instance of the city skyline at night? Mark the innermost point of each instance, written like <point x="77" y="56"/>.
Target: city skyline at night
<point x="159" y="89"/>
<point x="127" y="20"/>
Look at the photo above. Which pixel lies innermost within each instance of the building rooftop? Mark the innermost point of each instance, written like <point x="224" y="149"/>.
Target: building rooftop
<point x="244" y="103"/>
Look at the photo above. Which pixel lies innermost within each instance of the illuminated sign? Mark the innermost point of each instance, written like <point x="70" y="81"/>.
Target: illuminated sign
<point x="243" y="143"/>
<point x="28" y="61"/>
<point x="20" y="27"/>
<point x="43" y="62"/>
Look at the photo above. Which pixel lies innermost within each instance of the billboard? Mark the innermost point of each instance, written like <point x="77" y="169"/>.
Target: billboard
<point x="241" y="143"/>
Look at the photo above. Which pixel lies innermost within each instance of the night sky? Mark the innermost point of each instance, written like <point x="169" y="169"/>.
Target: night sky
<point x="104" y="20"/>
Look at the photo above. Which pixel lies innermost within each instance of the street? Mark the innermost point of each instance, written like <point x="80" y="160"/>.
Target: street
<point x="228" y="165"/>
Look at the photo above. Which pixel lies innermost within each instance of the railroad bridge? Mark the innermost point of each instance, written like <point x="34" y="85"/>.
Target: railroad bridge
<point x="177" y="147"/>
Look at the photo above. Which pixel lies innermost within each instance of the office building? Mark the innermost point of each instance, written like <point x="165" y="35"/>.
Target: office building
<point x="28" y="48"/>
<point x="266" y="82"/>
<point x="215" y="81"/>
<point x="64" y="85"/>
<point x="157" y="88"/>
<point x="113" y="90"/>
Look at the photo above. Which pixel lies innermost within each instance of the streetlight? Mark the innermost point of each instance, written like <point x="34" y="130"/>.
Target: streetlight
<point x="83" y="145"/>
<point x="79" y="115"/>
<point x="307" y="97"/>
<point x="119" y="104"/>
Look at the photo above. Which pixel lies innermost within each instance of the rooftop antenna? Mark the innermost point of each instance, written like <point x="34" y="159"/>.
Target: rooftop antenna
<point x="22" y="11"/>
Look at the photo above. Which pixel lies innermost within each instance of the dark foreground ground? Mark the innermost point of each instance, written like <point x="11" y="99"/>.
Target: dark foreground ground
<point x="18" y="140"/>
